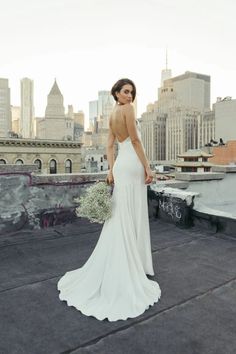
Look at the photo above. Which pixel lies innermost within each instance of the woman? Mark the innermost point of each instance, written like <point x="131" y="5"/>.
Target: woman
<point x="113" y="283"/>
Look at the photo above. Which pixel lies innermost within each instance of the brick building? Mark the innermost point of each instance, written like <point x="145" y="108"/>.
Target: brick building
<point x="224" y="154"/>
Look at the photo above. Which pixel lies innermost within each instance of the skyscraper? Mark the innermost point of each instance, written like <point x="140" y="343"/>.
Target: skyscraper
<point x="225" y="119"/>
<point x="105" y="105"/>
<point x="27" y="108"/>
<point x="175" y="119"/>
<point x="93" y="114"/>
<point x="183" y="98"/>
<point x="104" y="99"/>
<point x="55" y="103"/>
<point x="153" y="129"/>
<point x="56" y="125"/>
<point x="15" y="115"/>
<point x="78" y="120"/>
<point x="5" y="108"/>
<point x="191" y="90"/>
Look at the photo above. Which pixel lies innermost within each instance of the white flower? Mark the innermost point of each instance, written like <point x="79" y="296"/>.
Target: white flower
<point x="96" y="203"/>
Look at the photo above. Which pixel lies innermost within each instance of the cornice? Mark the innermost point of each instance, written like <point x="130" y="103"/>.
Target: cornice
<point x="39" y="143"/>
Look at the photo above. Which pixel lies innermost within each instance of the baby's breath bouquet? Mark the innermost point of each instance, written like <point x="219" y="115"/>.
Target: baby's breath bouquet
<point x="96" y="203"/>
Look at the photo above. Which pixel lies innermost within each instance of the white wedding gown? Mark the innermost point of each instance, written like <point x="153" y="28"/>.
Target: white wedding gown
<point x="113" y="284"/>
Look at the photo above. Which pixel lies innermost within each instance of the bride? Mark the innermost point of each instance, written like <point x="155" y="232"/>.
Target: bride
<point x="113" y="283"/>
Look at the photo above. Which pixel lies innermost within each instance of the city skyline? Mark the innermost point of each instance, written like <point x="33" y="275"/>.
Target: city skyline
<point x="87" y="46"/>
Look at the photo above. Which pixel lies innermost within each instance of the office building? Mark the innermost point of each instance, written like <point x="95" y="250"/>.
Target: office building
<point x="225" y="119"/>
<point x="56" y="124"/>
<point x="5" y="108"/>
<point x="27" y="109"/>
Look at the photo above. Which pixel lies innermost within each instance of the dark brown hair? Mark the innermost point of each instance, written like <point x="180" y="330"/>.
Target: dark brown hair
<point x="118" y="86"/>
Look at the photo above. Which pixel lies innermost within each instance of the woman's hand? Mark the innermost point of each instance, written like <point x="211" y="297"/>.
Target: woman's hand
<point x="148" y="175"/>
<point x="110" y="178"/>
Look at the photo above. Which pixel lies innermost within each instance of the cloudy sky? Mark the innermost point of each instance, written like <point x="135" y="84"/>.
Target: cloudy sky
<point x="89" y="44"/>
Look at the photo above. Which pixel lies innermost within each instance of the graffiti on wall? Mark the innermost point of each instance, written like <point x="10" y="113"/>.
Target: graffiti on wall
<point x="171" y="208"/>
<point x="24" y="204"/>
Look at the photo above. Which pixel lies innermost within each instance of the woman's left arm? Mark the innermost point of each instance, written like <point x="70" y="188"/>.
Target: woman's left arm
<point x="110" y="154"/>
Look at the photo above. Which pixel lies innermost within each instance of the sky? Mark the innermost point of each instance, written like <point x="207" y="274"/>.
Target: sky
<point x="87" y="45"/>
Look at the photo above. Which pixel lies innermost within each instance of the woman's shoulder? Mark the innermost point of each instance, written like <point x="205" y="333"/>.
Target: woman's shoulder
<point x="124" y="110"/>
<point x="127" y="108"/>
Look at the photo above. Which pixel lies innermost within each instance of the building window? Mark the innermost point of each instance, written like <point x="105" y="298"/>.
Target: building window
<point x="38" y="163"/>
<point x="68" y="166"/>
<point x="101" y="159"/>
<point x="190" y="159"/>
<point x="19" y="162"/>
<point x="101" y="168"/>
<point x="189" y="169"/>
<point x="53" y="167"/>
<point x="2" y="162"/>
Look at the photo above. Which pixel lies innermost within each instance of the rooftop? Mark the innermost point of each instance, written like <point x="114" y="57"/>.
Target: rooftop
<point x="196" y="271"/>
<point x="193" y="164"/>
<point x="195" y="153"/>
<point x="55" y="89"/>
<point x="188" y="75"/>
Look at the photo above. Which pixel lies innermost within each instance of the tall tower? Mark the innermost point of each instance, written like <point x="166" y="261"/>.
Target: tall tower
<point x="5" y="108"/>
<point x="104" y="99"/>
<point x="183" y="98"/>
<point x="27" y="108"/>
<point x="105" y="106"/>
<point x="93" y="114"/>
<point x="55" y="107"/>
<point x="56" y="125"/>
<point x="15" y="116"/>
<point x="165" y="73"/>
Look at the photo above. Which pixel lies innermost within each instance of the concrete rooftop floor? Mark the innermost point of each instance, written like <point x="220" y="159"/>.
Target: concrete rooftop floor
<point x="196" y="271"/>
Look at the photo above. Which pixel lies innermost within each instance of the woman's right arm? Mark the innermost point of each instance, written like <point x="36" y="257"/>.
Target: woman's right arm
<point x="132" y="130"/>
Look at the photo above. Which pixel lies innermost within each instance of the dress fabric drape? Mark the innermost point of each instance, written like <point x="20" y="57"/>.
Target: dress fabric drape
<point x="112" y="283"/>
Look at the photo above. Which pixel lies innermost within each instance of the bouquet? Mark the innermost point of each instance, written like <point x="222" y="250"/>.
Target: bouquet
<point x="96" y="203"/>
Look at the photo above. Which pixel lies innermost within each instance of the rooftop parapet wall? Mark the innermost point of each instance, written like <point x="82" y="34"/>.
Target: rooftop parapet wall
<point x="171" y="204"/>
<point x="215" y="206"/>
<point x="35" y="201"/>
<point x="224" y="168"/>
<point x="31" y="200"/>
<point x="188" y="208"/>
<point x="198" y="176"/>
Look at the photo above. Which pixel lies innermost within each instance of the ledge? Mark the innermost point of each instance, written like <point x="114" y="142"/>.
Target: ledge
<point x="214" y="221"/>
<point x="173" y="183"/>
<point x="67" y="179"/>
<point x="171" y="204"/>
<point x="39" y="143"/>
<point x="196" y="176"/>
<point x="224" y="168"/>
<point x="176" y="193"/>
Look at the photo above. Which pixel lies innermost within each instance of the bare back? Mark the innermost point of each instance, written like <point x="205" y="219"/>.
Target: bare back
<point x="122" y="125"/>
<point x="118" y="124"/>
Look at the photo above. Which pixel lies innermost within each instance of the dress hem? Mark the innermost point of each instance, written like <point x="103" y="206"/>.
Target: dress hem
<point x="111" y="319"/>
